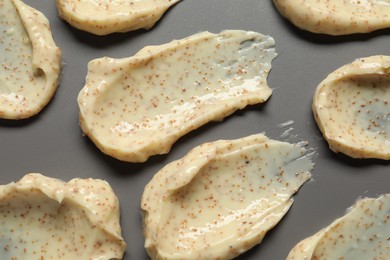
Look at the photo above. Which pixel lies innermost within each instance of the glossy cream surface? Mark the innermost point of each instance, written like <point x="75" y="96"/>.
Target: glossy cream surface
<point x="139" y="106"/>
<point x="362" y="233"/>
<point x="351" y="107"/>
<point x="46" y="218"/>
<point x="336" y="17"/>
<point x="222" y="197"/>
<point x="29" y="60"/>
<point x="103" y="17"/>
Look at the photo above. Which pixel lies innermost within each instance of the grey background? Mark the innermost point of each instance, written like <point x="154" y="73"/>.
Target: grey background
<point x="52" y="143"/>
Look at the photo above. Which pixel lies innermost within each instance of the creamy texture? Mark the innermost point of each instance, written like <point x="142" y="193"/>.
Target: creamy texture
<point x="336" y="17"/>
<point x="136" y="107"/>
<point x="363" y="233"/>
<point x="29" y="60"/>
<point x="351" y="107"/>
<point x="221" y="198"/>
<point x="103" y="17"/>
<point x="46" y="218"/>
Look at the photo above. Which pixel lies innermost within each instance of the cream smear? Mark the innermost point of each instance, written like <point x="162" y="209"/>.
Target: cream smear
<point x="46" y="218"/>
<point x="351" y="107"/>
<point x="103" y="17"/>
<point x="220" y="199"/>
<point x="136" y="107"/>
<point x="362" y="233"/>
<point x="29" y="61"/>
<point x="336" y="17"/>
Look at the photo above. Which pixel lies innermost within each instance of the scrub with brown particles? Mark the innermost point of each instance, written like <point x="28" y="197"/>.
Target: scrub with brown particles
<point x="103" y="17"/>
<point x="29" y="61"/>
<point x="363" y="233"/>
<point x="220" y="199"/>
<point x="336" y="17"/>
<point x="136" y="107"/>
<point x="46" y="218"/>
<point x="352" y="110"/>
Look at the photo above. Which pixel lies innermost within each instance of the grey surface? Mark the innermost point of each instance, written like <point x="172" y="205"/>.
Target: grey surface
<point x="52" y="143"/>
